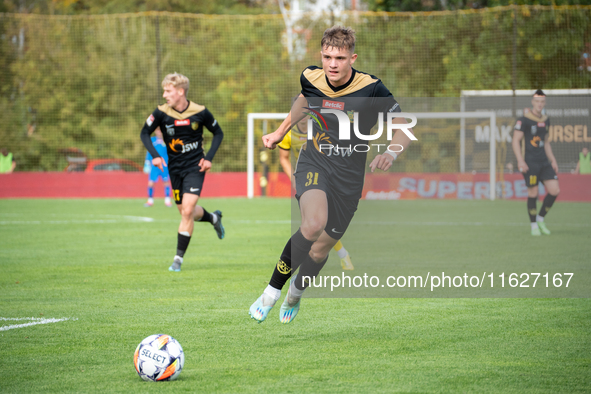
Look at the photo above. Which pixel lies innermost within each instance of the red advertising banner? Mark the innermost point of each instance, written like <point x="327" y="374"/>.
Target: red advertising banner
<point x="378" y="186"/>
<point x="391" y="186"/>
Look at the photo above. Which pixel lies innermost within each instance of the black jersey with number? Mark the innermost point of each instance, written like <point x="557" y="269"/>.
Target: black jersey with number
<point x="183" y="134"/>
<point x="363" y="96"/>
<point x="534" y="131"/>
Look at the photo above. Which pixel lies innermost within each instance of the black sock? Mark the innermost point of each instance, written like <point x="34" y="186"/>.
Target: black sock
<point x="309" y="269"/>
<point x="282" y="271"/>
<point x="295" y="252"/>
<point x="207" y="217"/>
<point x="182" y="244"/>
<point x="531" y="208"/>
<point x="300" y="249"/>
<point x="547" y="204"/>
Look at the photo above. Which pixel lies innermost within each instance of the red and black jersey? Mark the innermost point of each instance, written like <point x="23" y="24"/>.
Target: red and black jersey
<point x="183" y="135"/>
<point x="534" y="131"/>
<point x="363" y="97"/>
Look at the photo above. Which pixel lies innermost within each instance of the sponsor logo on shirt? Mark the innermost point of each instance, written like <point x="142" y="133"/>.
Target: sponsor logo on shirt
<point x="150" y="120"/>
<point x="178" y="146"/>
<point x="393" y="108"/>
<point x="333" y="105"/>
<point x="184" y="122"/>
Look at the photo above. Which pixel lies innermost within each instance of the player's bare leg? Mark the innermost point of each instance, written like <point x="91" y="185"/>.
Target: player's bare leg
<point x="552" y="190"/>
<point x="314" y="213"/>
<point x="187" y="210"/>
<point x="318" y="255"/>
<point x="314" y="210"/>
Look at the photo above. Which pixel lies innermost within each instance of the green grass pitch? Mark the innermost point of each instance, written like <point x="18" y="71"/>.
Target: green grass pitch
<point x="100" y="264"/>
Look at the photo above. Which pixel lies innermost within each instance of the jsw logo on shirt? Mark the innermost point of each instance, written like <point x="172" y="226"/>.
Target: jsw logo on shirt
<point x="176" y="144"/>
<point x="190" y="147"/>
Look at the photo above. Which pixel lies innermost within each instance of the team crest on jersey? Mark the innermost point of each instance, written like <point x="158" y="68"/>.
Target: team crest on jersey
<point x="169" y="129"/>
<point x="194" y="125"/>
<point x="351" y="115"/>
<point x="534" y="130"/>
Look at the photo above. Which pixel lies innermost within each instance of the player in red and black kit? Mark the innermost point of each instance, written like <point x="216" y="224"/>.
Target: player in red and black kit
<point x="329" y="176"/>
<point x="182" y="122"/>
<point x="539" y="163"/>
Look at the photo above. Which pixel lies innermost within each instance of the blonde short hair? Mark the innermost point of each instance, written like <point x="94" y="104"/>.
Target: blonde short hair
<point x="339" y="37"/>
<point x="177" y="80"/>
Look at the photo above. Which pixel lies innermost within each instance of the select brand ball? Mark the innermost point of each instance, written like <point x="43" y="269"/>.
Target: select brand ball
<point x="158" y="358"/>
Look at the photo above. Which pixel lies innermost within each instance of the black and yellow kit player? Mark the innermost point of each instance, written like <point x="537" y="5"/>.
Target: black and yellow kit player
<point x="343" y="105"/>
<point x="183" y="135"/>
<point x="538" y="163"/>
<point x="293" y="141"/>
<point x="182" y="123"/>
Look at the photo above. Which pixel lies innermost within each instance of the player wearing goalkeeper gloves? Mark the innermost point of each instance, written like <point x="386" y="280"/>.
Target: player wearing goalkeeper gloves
<point x="329" y="179"/>
<point x="182" y="123"/>
<point x="538" y="163"/>
<point x="293" y="142"/>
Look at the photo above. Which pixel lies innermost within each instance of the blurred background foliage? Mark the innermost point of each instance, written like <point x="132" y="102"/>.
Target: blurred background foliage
<point x="74" y="75"/>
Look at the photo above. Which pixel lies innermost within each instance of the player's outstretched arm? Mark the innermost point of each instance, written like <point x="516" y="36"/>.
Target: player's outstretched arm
<point x="385" y="160"/>
<point x="145" y="137"/>
<point x="516" y="145"/>
<point x="296" y="114"/>
<point x="218" y="135"/>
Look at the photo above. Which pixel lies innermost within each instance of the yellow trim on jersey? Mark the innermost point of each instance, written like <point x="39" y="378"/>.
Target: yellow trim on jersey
<point x="294" y="140"/>
<point x="193" y="109"/>
<point x="317" y="78"/>
<point x="533" y="117"/>
<point x="285" y="143"/>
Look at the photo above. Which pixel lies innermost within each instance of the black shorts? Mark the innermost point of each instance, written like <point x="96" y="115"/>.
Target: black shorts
<point x="190" y="182"/>
<point x="340" y="209"/>
<point x="538" y="171"/>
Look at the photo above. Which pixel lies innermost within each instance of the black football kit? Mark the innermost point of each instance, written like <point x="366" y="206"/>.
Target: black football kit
<point x="183" y="135"/>
<point x="535" y="130"/>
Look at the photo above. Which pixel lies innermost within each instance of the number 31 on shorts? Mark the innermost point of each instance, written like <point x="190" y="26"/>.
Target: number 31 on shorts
<point x="312" y="178"/>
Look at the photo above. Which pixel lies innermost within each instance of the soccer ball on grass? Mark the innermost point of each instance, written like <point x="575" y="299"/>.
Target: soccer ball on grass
<point x="158" y="358"/>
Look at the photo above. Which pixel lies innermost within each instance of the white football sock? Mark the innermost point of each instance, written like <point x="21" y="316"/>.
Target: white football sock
<point x="294" y="292"/>
<point x="342" y="253"/>
<point x="534" y="225"/>
<point x="177" y="257"/>
<point x="271" y="295"/>
<point x="214" y="218"/>
<point x="539" y="218"/>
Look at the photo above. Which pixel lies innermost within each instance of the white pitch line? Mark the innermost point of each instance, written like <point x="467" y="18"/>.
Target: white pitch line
<point x="113" y="219"/>
<point x="35" y="322"/>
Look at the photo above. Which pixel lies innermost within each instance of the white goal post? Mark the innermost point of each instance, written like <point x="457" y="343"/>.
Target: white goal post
<point x="491" y="115"/>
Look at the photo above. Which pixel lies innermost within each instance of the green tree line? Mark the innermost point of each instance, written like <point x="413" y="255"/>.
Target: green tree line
<point x="90" y="81"/>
